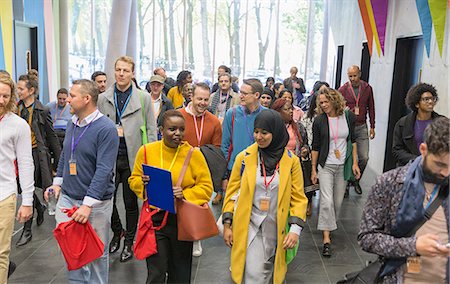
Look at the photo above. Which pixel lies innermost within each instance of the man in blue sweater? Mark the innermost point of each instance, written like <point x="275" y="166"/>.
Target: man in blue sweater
<point x="85" y="176"/>
<point x="237" y="127"/>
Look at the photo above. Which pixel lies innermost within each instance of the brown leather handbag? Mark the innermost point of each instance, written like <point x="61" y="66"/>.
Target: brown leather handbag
<point x="195" y="222"/>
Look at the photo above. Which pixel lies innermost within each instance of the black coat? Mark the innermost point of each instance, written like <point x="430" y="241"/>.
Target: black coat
<point x="217" y="164"/>
<point x="404" y="146"/>
<point x="47" y="142"/>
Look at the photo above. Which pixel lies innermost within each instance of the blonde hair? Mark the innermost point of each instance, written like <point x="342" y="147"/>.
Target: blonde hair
<point x="336" y="99"/>
<point x="11" y="105"/>
<point x="126" y="59"/>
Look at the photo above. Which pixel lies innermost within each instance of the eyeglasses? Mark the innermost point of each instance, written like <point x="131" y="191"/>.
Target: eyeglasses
<point x="429" y="99"/>
<point x="245" y="93"/>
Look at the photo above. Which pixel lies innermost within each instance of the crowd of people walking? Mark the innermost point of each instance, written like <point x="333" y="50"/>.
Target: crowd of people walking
<point x="264" y="151"/>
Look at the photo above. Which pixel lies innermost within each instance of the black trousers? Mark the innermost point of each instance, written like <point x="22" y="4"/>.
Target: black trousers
<point x="130" y="200"/>
<point x="174" y="257"/>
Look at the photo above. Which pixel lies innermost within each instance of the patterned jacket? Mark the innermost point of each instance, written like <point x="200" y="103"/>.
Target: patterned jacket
<point x="379" y="217"/>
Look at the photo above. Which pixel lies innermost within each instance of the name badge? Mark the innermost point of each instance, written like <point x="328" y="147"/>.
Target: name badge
<point x="119" y="130"/>
<point x="264" y="204"/>
<point x="413" y="264"/>
<point x="337" y="153"/>
<point x="356" y="110"/>
<point x="73" y="167"/>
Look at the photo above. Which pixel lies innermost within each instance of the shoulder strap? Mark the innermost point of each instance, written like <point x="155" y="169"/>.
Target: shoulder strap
<point x="145" y="154"/>
<point x="430" y="210"/>
<point x="142" y="107"/>
<point x="184" y="168"/>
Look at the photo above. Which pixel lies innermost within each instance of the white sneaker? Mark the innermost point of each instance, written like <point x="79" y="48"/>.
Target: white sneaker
<point x="197" y="249"/>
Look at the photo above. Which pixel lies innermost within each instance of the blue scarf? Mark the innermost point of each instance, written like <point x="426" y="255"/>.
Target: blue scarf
<point x="410" y="211"/>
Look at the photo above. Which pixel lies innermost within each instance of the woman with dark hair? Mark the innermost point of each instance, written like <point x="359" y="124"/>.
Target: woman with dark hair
<point x="176" y="93"/>
<point x="267" y="97"/>
<point x="270" y="82"/>
<point x="268" y="178"/>
<point x="307" y="119"/>
<point x="45" y="143"/>
<point x="298" y="143"/>
<point x="287" y="95"/>
<point x="172" y="263"/>
<point x="277" y="88"/>
<point x="408" y="131"/>
<point x="334" y="153"/>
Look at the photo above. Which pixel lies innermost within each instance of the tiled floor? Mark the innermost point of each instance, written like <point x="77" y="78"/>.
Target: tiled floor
<point x="41" y="262"/>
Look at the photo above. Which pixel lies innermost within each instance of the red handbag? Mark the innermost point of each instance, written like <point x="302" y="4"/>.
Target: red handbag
<point x="79" y="242"/>
<point x="145" y="244"/>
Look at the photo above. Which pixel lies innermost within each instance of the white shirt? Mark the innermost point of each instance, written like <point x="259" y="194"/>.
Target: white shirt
<point x="156" y="106"/>
<point x="337" y="127"/>
<point x="15" y="144"/>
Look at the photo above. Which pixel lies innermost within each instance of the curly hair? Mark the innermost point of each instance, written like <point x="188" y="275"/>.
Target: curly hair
<point x="181" y="79"/>
<point x="415" y="93"/>
<point x="336" y="99"/>
<point x="11" y="105"/>
<point x="436" y="136"/>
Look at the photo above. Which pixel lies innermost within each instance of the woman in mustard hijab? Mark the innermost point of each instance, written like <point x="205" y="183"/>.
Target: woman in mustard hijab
<point x="270" y="184"/>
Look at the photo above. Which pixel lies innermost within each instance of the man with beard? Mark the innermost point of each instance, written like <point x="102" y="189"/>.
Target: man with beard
<point x="406" y="215"/>
<point x="99" y="77"/>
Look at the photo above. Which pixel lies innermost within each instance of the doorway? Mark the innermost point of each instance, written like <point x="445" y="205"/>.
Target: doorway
<point x="340" y="56"/>
<point x="407" y="67"/>
<point x="365" y="62"/>
<point x="26" y="47"/>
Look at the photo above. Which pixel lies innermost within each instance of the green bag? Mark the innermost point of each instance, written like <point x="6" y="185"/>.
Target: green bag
<point x="144" y="126"/>
<point x="290" y="253"/>
<point x="348" y="171"/>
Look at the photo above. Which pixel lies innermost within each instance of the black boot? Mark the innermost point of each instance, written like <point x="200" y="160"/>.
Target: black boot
<point x="11" y="268"/>
<point x="358" y="189"/>
<point x="114" y="245"/>
<point x="127" y="253"/>
<point x="40" y="209"/>
<point x="26" y="235"/>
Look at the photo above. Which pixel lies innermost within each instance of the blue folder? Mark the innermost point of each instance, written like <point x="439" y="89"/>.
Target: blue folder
<point x="159" y="189"/>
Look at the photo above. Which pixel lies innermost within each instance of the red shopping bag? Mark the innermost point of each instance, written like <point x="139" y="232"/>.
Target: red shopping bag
<point x="145" y="244"/>
<point x="79" y="243"/>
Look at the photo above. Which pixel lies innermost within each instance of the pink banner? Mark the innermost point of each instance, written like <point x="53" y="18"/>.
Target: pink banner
<point x="380" y="9"/>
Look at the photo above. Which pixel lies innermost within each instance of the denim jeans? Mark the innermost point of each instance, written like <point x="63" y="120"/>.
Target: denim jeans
<point x="97" y="271"/>
<point x="362" y="144"/>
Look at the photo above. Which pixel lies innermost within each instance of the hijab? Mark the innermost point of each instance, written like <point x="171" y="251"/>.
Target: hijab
<point x="271" y="121"/>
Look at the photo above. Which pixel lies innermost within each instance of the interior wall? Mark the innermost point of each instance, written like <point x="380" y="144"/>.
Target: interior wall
<point x="402" y="21"/>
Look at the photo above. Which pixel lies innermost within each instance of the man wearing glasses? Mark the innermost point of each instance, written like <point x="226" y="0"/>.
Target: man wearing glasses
<point x="408" y="131"/>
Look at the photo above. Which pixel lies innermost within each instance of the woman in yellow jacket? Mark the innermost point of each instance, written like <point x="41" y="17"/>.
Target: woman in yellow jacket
<point x="270" y="184"/>
<point x="174" y="257"/>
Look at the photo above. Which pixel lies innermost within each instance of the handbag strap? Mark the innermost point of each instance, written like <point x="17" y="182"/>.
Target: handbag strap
<point x="145" y="154"/>
<point x="430" y="210"/>
<point x="184" y="168"/>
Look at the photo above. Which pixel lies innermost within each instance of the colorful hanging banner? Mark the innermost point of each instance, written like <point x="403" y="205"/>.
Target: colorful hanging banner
<point x="374" y="27"/>
<point x="6" y="21"/>
<point x="380" y="9"/>
<point x="366" y="24"/>
<point x="425" y="21"/>
<point x="438" y="11"/>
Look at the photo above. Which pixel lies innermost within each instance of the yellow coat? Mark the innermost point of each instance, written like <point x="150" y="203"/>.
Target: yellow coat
<point x="197" y="185"/>
<point x="291" y="199"/>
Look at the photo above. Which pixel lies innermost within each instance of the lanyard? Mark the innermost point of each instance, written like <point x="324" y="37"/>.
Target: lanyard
<point x="75" y="142"/>
<point x="354" y="95"/>
<point x="432" y="196"/>
<point x="173" y="160"/>
<point x="250" y="134"/>
<point x="220" y="97"/>
<point x="55" y="117"/>
<point x="264" y="174"/>
<point x="197" y="133"/>
<point x="335" y="137"/>
<point x="120" y="113"/>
